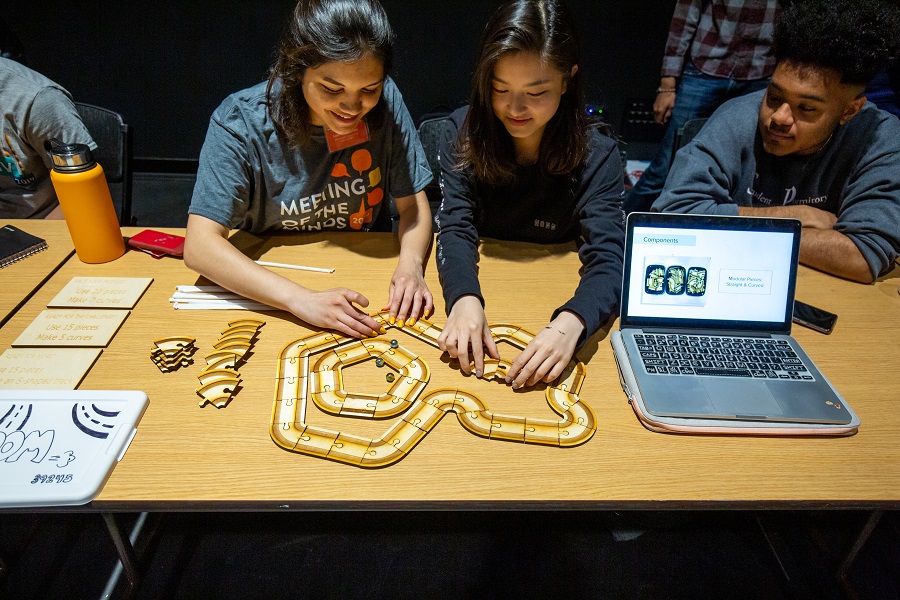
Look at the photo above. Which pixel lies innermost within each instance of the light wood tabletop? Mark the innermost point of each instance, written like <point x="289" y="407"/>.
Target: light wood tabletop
<point x="185" y="457"/>
<point x="21" y="278"/>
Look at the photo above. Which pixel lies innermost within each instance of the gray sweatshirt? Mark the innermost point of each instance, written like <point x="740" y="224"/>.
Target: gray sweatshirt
<point x="856" y="176"/>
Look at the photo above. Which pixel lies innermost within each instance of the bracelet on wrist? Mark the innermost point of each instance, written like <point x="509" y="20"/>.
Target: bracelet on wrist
<point x="665" y="90"/>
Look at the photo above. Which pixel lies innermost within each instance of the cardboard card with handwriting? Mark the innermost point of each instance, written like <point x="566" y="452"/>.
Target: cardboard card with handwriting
<point x="88" y="328"/>
<point x="101" y="292"/>
<point x="45" y="368"/>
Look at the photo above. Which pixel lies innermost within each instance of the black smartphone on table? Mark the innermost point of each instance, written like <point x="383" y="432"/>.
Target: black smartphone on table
<point x="813" y="317"/>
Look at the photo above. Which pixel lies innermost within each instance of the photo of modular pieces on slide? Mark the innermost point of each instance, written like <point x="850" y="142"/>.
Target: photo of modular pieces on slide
<point x="678" y="280"/>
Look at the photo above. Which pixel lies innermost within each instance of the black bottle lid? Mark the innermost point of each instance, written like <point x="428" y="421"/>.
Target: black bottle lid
<point x="69" y="158"/>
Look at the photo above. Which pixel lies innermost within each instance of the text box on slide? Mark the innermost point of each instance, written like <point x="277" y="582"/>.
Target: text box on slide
<point x="742" y="281"/>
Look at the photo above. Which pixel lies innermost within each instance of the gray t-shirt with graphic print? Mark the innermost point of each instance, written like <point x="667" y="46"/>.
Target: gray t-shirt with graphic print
<point x="250" y="178"/>
<point x="34" y="109"/>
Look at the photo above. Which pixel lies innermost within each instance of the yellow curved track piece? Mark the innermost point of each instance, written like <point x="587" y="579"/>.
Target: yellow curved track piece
<point x="244" y="329"/>
<point x="246" y="322"/>
<point x="210" y="375"/>
<point x="174" y="343"/>
<point x="311" y="368"/>
<point x="239" y="347"/>
<point x="218" y="391"/>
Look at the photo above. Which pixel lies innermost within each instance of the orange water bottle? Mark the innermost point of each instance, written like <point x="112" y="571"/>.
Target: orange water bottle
<point x="86" y="204"/>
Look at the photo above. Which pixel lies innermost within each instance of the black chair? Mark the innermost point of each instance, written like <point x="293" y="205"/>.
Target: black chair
<point x="434" y="131"/>
<point x="686" y="133"/>
<point x="114" y="150"/>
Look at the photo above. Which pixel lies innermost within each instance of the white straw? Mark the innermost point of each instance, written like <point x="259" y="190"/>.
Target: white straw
<point x="193" y="296"/>
<point x="221" y="305"/>
<point x="297" y="267"/>
<point x="200" y="288"/>
<point x="212" y="297"/>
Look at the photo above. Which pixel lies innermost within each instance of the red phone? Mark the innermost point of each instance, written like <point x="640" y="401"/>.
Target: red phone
<point x="158" y="244"/>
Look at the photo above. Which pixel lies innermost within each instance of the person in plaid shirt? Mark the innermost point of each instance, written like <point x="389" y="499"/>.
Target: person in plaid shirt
<point x="716" y="50"/>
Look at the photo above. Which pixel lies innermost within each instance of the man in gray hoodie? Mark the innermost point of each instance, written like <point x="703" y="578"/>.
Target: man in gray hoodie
<point x="809" y="147"/>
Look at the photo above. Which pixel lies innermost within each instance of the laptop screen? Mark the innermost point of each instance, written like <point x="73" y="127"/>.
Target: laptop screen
<point x="710" y="272"/>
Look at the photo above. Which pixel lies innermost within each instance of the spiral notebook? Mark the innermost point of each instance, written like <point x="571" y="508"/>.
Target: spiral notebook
<point x="16" y="244"/>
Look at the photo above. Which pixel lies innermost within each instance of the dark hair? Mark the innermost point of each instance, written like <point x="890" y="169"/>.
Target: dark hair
<point x="855" y="38"/>
<point x="322" y="31"/>
<point x="544" y="27"/>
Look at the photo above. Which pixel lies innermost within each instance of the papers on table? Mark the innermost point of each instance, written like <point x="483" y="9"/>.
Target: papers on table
<point x="45" y="368"/>
<point x="83" y="328"/>
<point x="101" y="292"/>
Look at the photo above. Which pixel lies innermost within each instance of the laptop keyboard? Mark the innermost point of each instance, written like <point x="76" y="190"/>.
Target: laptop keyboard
<point x="760" y="358"/>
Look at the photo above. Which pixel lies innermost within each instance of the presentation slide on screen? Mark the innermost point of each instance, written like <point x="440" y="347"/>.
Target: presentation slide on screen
<point x="709" y="274"/>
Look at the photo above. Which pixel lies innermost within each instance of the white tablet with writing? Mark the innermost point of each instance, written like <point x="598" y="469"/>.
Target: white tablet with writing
<point x="58" y="447"/>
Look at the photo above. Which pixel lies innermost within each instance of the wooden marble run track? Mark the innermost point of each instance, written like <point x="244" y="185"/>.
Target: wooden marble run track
<point x="311" y="369"/>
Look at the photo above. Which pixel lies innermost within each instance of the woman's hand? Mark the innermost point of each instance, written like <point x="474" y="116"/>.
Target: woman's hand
<point x="335" y="309"/>
<point x="408" y="296"/>
<point x="467" y="326"/>
<point x="548" y="354"/>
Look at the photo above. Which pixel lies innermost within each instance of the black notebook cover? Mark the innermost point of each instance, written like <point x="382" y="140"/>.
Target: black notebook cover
<point x="15" y="245"/>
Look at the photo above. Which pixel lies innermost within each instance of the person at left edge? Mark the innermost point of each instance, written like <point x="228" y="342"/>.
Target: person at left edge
<point x="35" y="110"/>
<point x="527" y="166"/>
<point x="319" y="146"/>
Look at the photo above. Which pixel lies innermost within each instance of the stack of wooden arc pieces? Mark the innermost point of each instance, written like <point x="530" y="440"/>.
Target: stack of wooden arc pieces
<point x="219" y="379"/>
<point x="171" y="353"/>
<point x="310" y="368"/>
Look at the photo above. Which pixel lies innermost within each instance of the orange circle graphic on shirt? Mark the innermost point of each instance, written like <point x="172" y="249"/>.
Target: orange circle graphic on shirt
<point x="361" y="160"/>
<point x="340" y="170"/>
<point x="376" y="196"/>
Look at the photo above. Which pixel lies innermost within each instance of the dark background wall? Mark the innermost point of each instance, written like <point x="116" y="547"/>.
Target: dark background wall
<point x="166" y="65"/>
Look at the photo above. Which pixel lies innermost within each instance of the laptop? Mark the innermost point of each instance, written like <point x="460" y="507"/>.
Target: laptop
<point x="706" y="311"/>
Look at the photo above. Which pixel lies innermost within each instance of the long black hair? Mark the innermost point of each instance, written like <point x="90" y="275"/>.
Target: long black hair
<point x="322" y="31"/>
<point x="544" y="27"/>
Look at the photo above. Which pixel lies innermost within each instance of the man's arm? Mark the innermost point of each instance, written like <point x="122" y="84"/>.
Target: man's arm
<point x="833" y="252"/>
<point x="711" y="174"/>
<point x="698" y="182"/>
<point x="807" y="215"/>
<point x="821" y="247"/>
<point x="682" y="28"/>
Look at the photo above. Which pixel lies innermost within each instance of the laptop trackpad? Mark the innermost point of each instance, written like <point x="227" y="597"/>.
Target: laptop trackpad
<point x="741" y="398"/>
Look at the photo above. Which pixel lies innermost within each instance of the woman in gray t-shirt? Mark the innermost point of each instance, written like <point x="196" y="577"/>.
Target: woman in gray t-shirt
<point x="320" y="146"/>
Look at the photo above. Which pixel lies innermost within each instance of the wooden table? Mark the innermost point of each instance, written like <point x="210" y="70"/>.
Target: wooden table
<point x="22" y="278"/>
<point x="189" y="458"/>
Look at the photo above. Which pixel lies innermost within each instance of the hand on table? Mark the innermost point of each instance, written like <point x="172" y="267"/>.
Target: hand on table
<point x="467" y="326"/>
<point x="548" y="354"/>
<point x="408" y="298"/>
<point x="335" y="309"/>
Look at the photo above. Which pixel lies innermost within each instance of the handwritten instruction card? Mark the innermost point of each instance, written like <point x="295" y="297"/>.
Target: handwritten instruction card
<point x="101" y="292"/>
<point x="45" y="368"/>
<point x="71" y="327"/>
